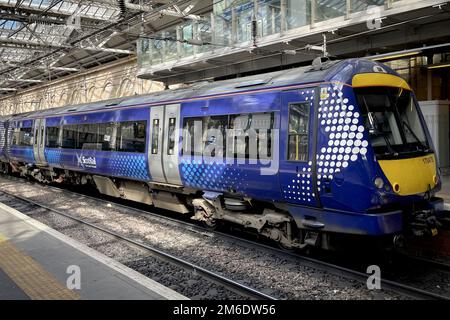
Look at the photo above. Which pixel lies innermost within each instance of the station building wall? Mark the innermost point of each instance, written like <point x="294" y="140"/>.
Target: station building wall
<point x="109" y="81"/>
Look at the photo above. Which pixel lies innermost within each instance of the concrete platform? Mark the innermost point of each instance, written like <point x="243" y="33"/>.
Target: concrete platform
<point x="37" y="262"/>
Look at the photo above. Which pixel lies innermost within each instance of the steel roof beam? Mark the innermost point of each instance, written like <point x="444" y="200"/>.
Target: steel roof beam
<point x="23" y="80"/>
<point x="30" y="43"/>
<point x="36" y="45"/>
<point x="15" y="64"/>
<point x="132" y="19"/>
<point x="30" y="18"/>
<point x="176" y="12"/>
<point x="37" y="13"/>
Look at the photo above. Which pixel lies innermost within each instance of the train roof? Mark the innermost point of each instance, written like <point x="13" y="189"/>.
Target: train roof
<point x="326" y="71"/>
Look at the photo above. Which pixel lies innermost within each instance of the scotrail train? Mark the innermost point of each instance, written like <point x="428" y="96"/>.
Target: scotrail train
<point x="305" y="157"/>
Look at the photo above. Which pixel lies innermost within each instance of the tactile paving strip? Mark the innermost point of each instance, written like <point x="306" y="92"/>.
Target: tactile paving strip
<point x="37" y="283"/>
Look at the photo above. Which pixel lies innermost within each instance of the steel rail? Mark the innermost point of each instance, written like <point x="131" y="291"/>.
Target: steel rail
<point x="210" y="275"/>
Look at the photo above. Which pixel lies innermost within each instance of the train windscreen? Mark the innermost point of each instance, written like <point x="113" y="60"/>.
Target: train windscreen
<point x="392" y="121"/>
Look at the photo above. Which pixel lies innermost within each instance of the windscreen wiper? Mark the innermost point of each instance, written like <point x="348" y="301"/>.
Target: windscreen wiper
<point x="406" y="125"/>
<point x="391" y="150"/>
<point x="373" y="130"/>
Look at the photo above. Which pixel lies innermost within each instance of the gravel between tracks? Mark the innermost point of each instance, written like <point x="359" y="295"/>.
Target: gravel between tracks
<point x="176" y="278"/>
<point x="260" y="269"/>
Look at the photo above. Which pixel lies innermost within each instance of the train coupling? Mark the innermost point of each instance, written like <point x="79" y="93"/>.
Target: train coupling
<point x="424" y="223"/>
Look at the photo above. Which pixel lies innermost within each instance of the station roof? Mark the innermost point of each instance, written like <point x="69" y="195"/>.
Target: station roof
<point x="42" y="40"/>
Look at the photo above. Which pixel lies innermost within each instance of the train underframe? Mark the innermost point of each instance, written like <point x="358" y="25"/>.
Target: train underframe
<point x="265" y="219"/>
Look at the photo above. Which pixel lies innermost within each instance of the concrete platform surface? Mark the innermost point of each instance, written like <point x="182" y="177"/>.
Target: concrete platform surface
<point x="445" y="190"/>
<point x="37" y="262"/>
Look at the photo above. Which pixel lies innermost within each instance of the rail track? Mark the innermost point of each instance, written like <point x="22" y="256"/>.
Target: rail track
<point x="246" y="291"/>
<point x="241" y="289"/>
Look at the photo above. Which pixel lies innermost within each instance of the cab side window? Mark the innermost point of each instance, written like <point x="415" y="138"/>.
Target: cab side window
<point x="298" y="135"/>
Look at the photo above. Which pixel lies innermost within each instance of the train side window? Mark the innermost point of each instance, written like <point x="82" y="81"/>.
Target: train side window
<point x="107" y="136"/>
<point x="192" y="128"/>
<point x="52" y="137"/>
<point x="262" y="124"/>
<point x="70" y="136"/>
<point x="298" y="135"/>
<point x="87" y="137"/>
<point x="25" y="137"/>
<point x="155" y="136"/>
<point x="171" y="136"/>
<point x="15" y="137"/>
<point x="42" y="137"/>
<point x="132" y="136"/>
<point x="214" y="138"/>
<point x="239" y="135"/>
<point x="22" y="137"/>
<point x="2" y="134"/>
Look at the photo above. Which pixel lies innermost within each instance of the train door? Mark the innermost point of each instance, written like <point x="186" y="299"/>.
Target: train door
<point x="39" y="141"/>
<point x="171" y="144"/>
<point x="163" y="152"/>
<point x="155" y="146"/>
<point x="298" y="147"/>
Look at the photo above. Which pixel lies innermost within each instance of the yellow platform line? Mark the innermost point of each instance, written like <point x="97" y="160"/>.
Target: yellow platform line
<point x="37" y="283"/>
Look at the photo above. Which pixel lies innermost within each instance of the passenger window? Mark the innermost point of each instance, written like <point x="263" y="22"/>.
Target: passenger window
<point x="262" y="124"/>
<point x="192" y="127"/>
<point x="210" y="133"/>
<point x="52" y="137"/>
<point x="214" y="139"/>
<point x="15" y="137"/>
<point x="42" y="137"/>
<point x="132" y="136"/>
<point x="23" y="137"/>
<point x="171" y="136"/>
<point x="70" y="136"/>
<point x="239" y="132"/>
<point x="107" y="136"/>
<point x="87" y="137"/>
<point x="155" y="136"/>
<point x="298" y="131"/>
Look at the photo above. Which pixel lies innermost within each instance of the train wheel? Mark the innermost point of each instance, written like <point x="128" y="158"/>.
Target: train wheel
<point x="286" y="248"/>
<point x="211" y="224"/>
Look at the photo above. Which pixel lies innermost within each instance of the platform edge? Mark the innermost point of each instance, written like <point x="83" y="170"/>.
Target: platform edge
<point x="113" y="264"/>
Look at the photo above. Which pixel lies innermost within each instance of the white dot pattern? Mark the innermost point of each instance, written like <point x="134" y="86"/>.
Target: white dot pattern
<point x="344" y="131"/>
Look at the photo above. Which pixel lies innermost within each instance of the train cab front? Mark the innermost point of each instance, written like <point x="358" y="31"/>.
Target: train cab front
<point x="405" y="172"/>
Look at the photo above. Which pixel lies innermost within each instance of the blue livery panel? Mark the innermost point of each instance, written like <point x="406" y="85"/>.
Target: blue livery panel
<point x="122" y="165"/>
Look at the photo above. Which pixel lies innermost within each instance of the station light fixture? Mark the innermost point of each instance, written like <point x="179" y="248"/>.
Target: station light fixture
<point x="395" y="56"/>
<point x="436" y="66"/>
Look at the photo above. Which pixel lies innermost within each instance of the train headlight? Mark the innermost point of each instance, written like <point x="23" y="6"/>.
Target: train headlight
<point x="379" y="183"/>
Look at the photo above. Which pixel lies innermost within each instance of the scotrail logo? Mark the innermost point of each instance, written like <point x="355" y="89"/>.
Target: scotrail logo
<point x="86" y="162"/>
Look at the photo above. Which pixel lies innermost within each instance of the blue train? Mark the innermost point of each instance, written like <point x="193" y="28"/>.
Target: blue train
<point x="302" y="156"/>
